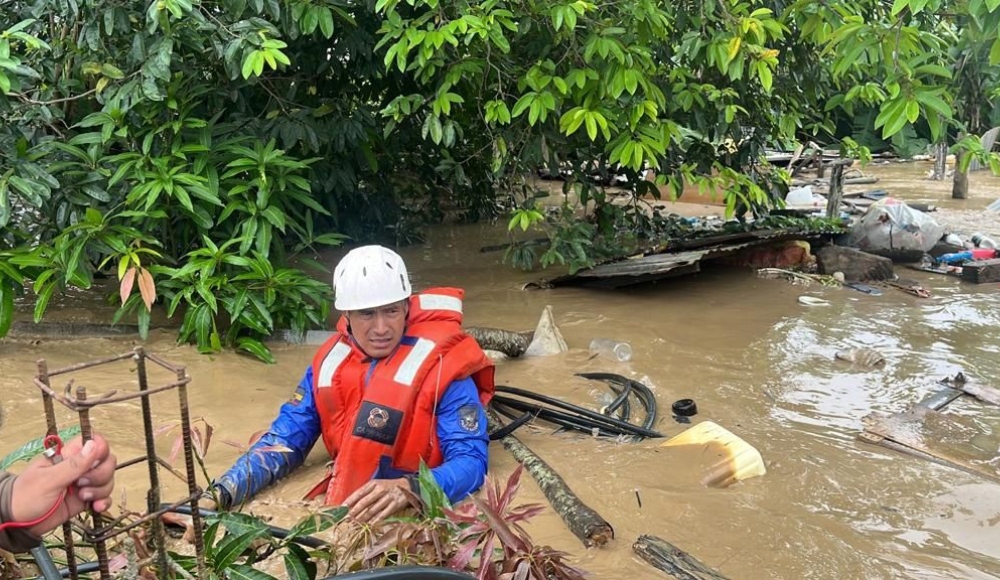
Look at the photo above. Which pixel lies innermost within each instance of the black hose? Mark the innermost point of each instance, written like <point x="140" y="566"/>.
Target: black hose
<point x="405" y="573"/>
<point x="621" y="401"/>
<point x="592" y="415"/>
<point x="45" y="564"/>
<point x="274" y="531"/>
<point x="644" y="394"/>
<point x="564" y="421"/>
<point x="515" y="423"/>
<point x="607" y="426"/>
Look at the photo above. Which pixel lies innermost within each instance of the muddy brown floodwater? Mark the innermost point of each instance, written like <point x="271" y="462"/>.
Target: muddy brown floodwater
<point x="756" y="361"/>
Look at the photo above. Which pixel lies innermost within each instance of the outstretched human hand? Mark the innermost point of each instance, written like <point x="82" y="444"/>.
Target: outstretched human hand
<point x="378" y="499"/>
<point x="89" y="468"/>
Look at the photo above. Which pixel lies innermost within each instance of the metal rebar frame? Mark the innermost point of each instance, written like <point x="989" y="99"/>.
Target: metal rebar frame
<point x="81" y="402"/>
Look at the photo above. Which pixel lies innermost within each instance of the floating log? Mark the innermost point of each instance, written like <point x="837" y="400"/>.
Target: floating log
<point x="584" y="522"/>
<point x="510" y="343"/>
<point x="663" y="555"/>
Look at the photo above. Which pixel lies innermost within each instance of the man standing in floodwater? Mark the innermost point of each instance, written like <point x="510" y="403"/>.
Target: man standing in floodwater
<point x="399" y="383"/>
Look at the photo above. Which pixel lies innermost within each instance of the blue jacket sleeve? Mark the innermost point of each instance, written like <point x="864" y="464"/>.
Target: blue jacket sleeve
<point x="461" y="430"/>
<point x="282" y="449"/>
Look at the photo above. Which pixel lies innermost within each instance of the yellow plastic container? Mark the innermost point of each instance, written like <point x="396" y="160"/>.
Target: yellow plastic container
<point x="731" y="459"/>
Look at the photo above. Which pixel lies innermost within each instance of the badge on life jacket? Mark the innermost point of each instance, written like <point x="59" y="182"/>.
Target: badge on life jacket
<point x="378" y="423"/>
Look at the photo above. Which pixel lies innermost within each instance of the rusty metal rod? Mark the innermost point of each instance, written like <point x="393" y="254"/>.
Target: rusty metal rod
<point x="87" y="365"/>
<point x="88" y="433"/>
<point x="153" y="495"/>
<point x="53" y="429"/>
<point x="109" y="532"/>
<point x="77" y="405"/>
<point x="192" y="475"/>
<point x="177" y="370"/>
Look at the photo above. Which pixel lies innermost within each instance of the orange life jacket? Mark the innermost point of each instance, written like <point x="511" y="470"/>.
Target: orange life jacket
<point x="393" y="416"/>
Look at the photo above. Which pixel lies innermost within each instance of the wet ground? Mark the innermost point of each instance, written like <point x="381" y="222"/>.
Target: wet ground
<point x="755" y="360"/>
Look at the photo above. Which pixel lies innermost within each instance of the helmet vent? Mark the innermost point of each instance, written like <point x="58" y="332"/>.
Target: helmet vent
<point x="388" y="265"/>
<point x="364" y="271"/>
<point x="402" y="282"/>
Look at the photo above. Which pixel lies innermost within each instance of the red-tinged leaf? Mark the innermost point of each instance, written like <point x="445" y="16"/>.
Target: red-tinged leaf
<point x="178" y="443"/>
<point x="196" y="441"/>
<point x="147" y="288"/>
<point x="524" y="512"/>
<point x="513" y="482"/>
<point x="387" y="542"/>
<point x="463" y="556"/>
<point x="126" y="285"/>
<point x="117" y="563"/>
<point x="235" y="444"/>
<point x="275" y="448"/>
<point x="486" y="568"/>
<point x="164" y="429"/>
<point x="506" y="535"/>
<point x="208" y="438"/>
<point x="256" y="436"/>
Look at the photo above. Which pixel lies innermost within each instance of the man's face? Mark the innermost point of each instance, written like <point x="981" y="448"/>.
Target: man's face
<point x="378" y="330"/>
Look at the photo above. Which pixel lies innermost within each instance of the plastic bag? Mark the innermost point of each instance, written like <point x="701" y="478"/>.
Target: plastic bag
<point x="890" y="224"/>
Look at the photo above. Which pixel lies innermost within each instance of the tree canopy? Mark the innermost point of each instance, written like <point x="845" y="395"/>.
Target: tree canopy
<point x="199" y="152"/>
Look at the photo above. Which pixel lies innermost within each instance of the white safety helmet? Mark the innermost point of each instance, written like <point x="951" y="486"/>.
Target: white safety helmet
<point x="369" y="277"/>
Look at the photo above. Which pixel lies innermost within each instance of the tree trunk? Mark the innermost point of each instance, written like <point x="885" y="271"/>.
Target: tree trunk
<point x="512" y="344"/>
<point x="584" y="522"/>
<point x="960" y="187"/>
<point x="676" y="562"/>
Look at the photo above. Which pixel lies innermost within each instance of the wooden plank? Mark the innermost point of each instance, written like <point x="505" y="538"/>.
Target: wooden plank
<point x="664" y="556"/>
<point x="981" y="271"/>
<point x="907" y="430"/>
<point x="981" y="392"/>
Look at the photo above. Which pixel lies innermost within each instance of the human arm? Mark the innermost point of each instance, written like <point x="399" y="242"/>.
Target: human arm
<point x="462" y="434"/>
<point x="281" y="450"/>
<point x="43" y="491"/>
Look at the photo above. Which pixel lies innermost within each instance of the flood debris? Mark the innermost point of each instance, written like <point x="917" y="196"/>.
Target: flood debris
<point x="925" y="432"/>
<point x="585" y="523"/>
<point x="677" y="563"/>
<point x="854" y="264"/>
<point x="863" y="356"/>
<point x="800" y="278"/>
<point x="981" y="271"/>
<point x="813" y="301"/>
<point x="735" y="460"/>
<point x="546" y="339"/>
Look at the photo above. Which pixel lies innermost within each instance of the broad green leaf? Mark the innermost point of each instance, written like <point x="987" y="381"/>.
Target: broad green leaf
<point x="256" y="348"/>
<point x="33" y="448"/>
<point x="6" y="305"/>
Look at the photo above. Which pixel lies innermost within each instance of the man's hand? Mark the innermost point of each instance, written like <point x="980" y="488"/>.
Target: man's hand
<point x="89" y="468"/>
<point x="378" y="499"/>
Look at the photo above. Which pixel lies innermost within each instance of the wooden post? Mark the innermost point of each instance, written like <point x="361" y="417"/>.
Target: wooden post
<point x="960" y="185"/>
<point x="836" y="187"/>
<point x="940" y="161"/>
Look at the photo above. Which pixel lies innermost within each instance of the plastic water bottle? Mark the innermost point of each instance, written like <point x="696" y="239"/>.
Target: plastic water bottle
<point x="974" y="254"/>
<point x="981" y="241"/>
<point x="609" y="347"/>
